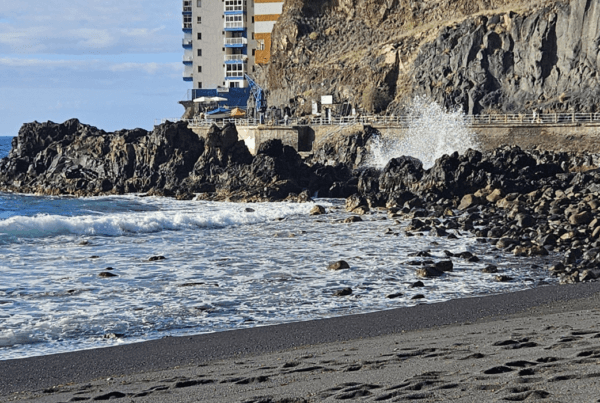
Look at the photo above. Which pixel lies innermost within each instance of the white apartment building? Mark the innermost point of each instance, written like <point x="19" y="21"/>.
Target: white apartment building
<point x="223" y="39"/>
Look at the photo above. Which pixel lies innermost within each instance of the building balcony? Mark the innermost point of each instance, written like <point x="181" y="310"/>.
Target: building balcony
<point x="236" y="58"/>
<point x="235" y="25"/>
<point x="186" y="42"/>
<point x="188" y="59"/>
<point x="187" y="9"/>
<point x="235" y="42"/>
<point x="186" y="25"/>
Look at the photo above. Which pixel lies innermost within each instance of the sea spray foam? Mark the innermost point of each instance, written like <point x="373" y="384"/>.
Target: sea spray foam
<point x="432" y="132"/>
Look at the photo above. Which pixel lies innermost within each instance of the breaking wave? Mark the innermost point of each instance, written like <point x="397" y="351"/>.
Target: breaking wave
<point x="115" y="224"/>
<point x="432" y="132"/>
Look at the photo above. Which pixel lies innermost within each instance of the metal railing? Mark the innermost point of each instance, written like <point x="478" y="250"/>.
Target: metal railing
<point x="236" y="41"/>
<point x="533" y="119"/>
<point x="526" y="119"/>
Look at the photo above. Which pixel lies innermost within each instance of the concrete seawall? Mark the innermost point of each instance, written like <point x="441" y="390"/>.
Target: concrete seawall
<point x="551" y="137"/>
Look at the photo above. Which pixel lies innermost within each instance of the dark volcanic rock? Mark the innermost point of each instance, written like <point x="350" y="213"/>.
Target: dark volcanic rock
<point x="77" y="159"/>
<point x="339" y="265"/>
<point x="343" y="292"/>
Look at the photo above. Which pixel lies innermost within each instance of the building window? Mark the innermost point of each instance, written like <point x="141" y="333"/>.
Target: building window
<point x="199" y="52"/>
<point x="234" y="84"/>
<point x="253" y="52"/>
<point x="260" y="44"/>
<point x="234" y="21"/>
<point x="187" y="21"/>
<point x="199" y="69"/>
<point x="198" y="20"/>
<point x="233" y="5"/>
<point x="235" y="70"/>
<point x="199" y="3"/>
<point x="199" y="84"/>
<point x="199" y="36"/>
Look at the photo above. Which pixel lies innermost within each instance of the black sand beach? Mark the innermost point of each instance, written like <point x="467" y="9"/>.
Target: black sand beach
<point x="178" y="363"/>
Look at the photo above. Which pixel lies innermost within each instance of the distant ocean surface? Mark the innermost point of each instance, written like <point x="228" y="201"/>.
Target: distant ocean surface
<point x="5" y="142"/>
<point x="226" y="266"/>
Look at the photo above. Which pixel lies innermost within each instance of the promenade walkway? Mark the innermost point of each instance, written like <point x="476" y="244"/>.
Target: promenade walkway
<point x="519" y="120"/>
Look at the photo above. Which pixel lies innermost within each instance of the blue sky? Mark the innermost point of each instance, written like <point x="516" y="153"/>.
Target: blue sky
<point x="112" y="64"/>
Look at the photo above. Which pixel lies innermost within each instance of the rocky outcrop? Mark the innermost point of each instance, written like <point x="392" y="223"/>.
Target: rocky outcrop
<point x="486" y="55"/>
<point x="77" y="159"/>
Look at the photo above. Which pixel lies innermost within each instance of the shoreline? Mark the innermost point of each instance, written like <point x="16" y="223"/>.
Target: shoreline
<point x="36" y="374"/>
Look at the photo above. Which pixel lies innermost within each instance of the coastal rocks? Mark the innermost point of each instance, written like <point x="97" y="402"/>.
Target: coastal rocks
<point x="81" y="160"/>
<point x="435" y="270"/>
<point x="582" y="218"/>
<point x="429" y="272"/>
<point x="77" y="159"/>
<point x="339" y="265"/>
<point x="343" y="292"/>
<point x="317" y="210"/>
<point x="347" y="147"/>
<point x="468" y="201"/>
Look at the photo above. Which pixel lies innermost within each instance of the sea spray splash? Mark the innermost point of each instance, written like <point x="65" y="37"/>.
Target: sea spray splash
<point x="432" y="132"/>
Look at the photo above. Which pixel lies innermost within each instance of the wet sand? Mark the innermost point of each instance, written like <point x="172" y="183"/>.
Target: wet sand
<point x="536" y="344"/>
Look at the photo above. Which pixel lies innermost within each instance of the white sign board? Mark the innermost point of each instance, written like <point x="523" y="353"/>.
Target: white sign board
<point x="327" y="100"/>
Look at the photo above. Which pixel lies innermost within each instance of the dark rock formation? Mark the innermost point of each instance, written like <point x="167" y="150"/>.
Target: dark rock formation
<point x="483" y="55"/>
<point x="72" y="158"/>
<point x="77" y="159"/>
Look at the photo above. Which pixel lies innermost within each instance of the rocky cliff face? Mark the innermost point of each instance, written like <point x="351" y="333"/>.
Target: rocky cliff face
<point x="485" y="56"/>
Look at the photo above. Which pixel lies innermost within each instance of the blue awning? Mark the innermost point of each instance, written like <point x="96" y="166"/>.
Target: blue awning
<point x="218" y="110"/>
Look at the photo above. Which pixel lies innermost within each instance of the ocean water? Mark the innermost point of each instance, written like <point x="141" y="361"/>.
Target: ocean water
<point x="226" y="266"/>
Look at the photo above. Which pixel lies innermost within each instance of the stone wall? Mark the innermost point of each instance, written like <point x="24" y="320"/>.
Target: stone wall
<point x="301" y="138"/>
<point x="575" y="137"/>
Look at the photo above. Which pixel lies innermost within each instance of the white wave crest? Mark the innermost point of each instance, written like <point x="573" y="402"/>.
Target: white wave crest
<point x="114" y="224"/>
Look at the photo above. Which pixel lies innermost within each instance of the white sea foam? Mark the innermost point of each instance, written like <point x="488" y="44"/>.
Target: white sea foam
<point x="218" y="274"/>
<point x="115" y="224"/>
<point x="433" y="131"/>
